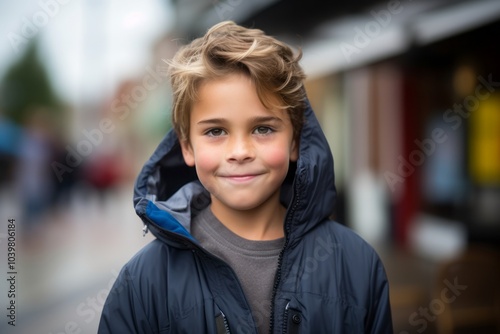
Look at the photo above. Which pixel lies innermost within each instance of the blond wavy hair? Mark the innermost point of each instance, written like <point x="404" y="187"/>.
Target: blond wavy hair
<point x="228" y="48"/>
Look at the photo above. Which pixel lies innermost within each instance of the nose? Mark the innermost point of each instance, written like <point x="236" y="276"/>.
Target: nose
<point x="240" y="149"/>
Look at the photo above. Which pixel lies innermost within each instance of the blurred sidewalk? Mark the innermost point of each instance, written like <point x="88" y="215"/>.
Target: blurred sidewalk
<point x="67" y="267"/>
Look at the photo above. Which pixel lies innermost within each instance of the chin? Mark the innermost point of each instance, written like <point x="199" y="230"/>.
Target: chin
<point x="241" y="204"/>
<point x="243" y="207"/>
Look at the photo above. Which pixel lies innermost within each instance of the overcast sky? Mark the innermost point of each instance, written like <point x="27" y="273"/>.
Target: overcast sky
<point x="89" y="46"/>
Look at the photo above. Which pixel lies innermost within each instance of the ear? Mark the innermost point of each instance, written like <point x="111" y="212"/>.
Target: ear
<point x="294" y="151"/>
<point x="187" y="153"/>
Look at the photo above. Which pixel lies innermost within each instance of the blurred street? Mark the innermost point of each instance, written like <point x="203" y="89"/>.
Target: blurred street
<point x="67" y="266"/>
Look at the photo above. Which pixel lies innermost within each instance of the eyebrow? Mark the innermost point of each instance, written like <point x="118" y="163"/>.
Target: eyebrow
<point x="257" y="119"/>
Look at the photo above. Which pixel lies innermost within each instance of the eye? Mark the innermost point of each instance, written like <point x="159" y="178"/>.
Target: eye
<point x="215" y="132"/>
<point x="263" y="130"/>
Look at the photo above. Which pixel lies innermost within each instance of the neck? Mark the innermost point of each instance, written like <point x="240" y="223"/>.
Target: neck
<point x="261" y="223"/>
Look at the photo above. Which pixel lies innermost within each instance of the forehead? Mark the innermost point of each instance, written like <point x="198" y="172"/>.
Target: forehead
<point x="235" y="93"/>
<point x="232" y="83"/>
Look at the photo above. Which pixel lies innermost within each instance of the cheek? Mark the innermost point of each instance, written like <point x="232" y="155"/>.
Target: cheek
<point x="276" y="157"/>
<point x="206" y="161"/>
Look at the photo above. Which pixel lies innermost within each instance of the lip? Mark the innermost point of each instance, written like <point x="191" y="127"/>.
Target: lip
<point x="240" y="178"/>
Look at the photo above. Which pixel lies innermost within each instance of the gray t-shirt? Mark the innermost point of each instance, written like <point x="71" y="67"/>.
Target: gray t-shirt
<point x="254" y="262"/>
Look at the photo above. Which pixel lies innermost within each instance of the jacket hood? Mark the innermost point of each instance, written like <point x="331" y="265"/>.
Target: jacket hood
<point x="168" y="193"/>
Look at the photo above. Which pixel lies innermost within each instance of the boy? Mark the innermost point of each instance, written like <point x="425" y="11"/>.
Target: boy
<point x="238" y="196"/>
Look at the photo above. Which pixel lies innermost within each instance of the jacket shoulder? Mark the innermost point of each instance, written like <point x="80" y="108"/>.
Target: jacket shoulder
<point x="151" y="256"/>
<point x="347" y="239"/>
<point x="129" y="307"/>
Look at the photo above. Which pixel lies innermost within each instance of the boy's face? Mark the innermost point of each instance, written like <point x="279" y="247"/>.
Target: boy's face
<point x="240" y="149"/>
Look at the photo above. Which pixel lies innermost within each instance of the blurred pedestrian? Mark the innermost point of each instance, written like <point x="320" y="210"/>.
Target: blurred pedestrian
<point x="33" y="175"/>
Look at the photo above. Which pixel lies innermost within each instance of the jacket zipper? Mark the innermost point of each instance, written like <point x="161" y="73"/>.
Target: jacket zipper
<point x="280" y="260"/>
<point x="226" y="325"/>
<point x="221" y="323"/>
<point x="291" y="320"/>
<point x="285" y="318"/>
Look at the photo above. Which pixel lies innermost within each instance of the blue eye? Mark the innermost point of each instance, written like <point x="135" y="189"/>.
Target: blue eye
<point x="263" y="130"/>
<point x="215" y="132"/>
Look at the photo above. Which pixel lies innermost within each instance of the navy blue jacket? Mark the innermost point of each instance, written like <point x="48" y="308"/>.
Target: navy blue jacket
<point x="328" y="279"/>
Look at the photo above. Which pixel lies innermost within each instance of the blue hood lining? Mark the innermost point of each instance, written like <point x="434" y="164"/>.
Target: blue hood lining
<point x="166" y="221"/>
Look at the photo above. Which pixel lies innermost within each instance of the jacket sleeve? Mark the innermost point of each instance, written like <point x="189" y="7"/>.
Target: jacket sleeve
<point x="123" y="310"/>
<point x="379" y="317"/>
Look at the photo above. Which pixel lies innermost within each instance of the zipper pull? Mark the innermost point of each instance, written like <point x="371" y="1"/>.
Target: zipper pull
<point x="145" y="230"/>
